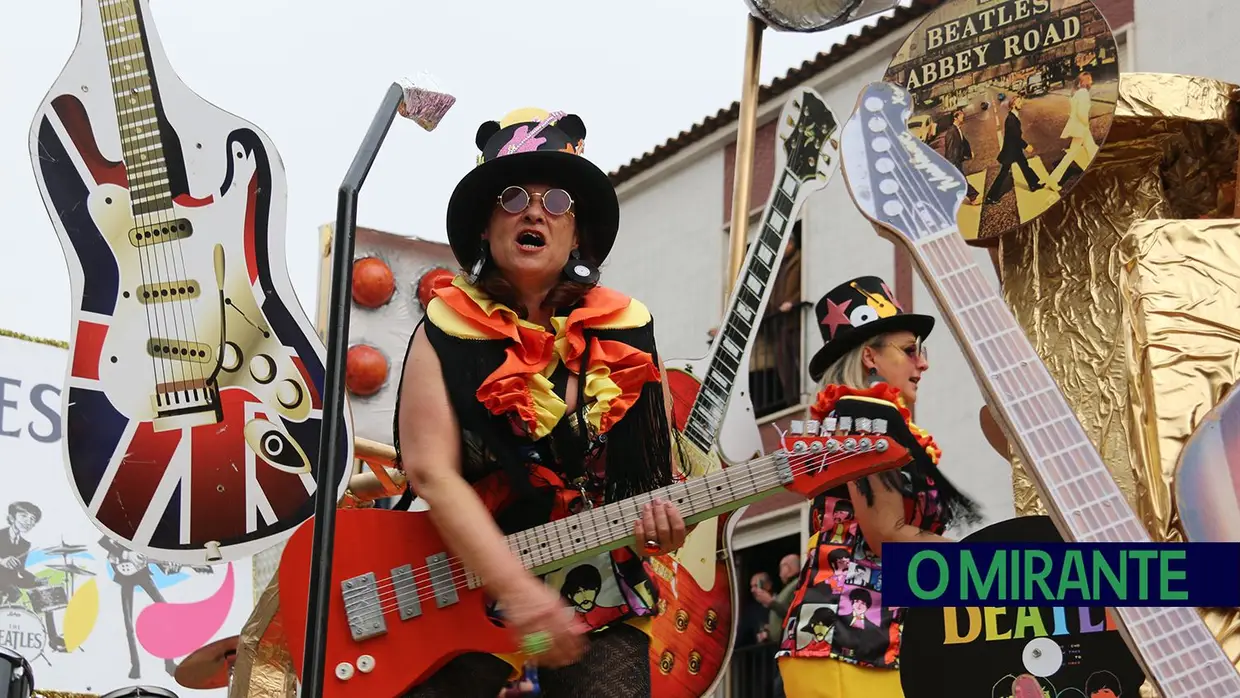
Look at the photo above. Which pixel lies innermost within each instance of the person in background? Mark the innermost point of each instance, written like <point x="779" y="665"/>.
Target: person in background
<point x="777" y="606"/>
<point x="839" y="640"/>
<point x="753" y="625"/>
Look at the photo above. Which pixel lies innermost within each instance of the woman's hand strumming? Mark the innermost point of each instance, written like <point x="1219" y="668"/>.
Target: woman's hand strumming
<point x="536" y="612"/>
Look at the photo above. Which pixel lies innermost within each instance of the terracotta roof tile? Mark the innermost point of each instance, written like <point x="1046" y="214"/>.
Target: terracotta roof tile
<point x="899" y="19"/>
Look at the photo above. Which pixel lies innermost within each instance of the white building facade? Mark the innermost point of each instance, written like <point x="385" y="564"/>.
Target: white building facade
<point x="672" y="253"/>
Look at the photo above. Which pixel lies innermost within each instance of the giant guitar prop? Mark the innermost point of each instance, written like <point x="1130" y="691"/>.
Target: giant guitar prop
<point x="692" y="636"/>
<point x="402" y="609"/>
<point x="912" y="194"/>
<point x="193" y="403"/>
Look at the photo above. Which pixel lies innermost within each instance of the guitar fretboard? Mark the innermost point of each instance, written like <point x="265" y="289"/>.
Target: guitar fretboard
<point x="742" y="318"/>
<point x="607" y="526"/>
<point x="133" y="93"/>
<point x="1179" y="649"/>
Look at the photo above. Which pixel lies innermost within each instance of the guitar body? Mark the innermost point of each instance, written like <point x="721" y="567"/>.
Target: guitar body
<point x="411" y="650"/>
<point x="1207" y="477"/>
<point x="401" y="606"/>
<point x="193" y="403"/>
<point x="693" y="635"/>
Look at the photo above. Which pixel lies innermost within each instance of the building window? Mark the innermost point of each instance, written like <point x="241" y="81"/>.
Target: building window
<point x="775" y="362"/>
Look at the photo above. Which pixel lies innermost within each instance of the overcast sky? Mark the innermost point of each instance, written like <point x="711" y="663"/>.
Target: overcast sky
<point x="311" y="73"/>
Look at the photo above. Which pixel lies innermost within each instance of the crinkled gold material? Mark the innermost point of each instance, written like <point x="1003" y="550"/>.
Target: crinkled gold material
<point x="264" y="668"/>
<point x="1170" y="155"/>
<point x="1180" y="290"/>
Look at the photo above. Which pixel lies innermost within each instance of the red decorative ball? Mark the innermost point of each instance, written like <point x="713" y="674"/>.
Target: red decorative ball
<point x="366" y="370"/>
<point x="373" y="283"/>
<point x="432" y="280"/>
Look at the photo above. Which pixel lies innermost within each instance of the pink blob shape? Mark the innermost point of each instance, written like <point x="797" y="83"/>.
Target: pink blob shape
<point x="171" y="630"/>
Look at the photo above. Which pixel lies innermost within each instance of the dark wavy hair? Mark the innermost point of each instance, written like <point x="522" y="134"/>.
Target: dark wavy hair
<point x="564" y="294"/>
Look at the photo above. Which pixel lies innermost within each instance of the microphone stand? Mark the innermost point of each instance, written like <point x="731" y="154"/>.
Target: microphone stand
<point x="426" y="108"/>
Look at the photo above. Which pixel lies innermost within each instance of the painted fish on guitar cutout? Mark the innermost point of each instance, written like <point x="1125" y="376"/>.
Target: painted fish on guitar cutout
<point x="193" y="400"/>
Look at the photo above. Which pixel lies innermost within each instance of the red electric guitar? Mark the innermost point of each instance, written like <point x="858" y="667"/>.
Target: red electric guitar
<point x="402" y="606"/>
<point x="692" y="637"/>
<point x="192" y="399"/>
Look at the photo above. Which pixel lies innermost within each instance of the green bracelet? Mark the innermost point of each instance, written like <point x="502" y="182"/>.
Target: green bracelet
<point x="536" y="643"/>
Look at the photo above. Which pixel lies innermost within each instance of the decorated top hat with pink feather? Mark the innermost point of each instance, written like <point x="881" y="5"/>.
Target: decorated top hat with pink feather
<point x="533" y="146"/>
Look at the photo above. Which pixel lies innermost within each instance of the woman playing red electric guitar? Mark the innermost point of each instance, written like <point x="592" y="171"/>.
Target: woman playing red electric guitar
<point x="531" y="392"/>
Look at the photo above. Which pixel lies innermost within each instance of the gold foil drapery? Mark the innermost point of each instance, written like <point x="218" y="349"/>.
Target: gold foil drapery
<point x="1180" y="290"/>
<point x="1169" y="155"/>
<point x="1135" y="317"/>
<point x="264" y="668"/>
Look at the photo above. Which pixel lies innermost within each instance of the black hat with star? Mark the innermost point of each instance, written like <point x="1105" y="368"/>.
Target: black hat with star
<point x="856" y="311"/>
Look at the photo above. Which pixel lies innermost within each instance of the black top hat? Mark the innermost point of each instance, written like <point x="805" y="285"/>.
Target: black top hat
<point x="532" y="145"/>
<point x="857" y="311"/>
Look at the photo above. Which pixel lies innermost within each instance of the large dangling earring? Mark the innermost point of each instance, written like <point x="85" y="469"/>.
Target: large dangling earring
<point x="481" y="262"/>
<point x="872" y="376"/>
<point x="579" y="271"/>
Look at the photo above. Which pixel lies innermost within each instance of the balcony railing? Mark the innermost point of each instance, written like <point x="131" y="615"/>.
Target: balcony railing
<point x="753" y="672"/>
<point x="775" y="363"/>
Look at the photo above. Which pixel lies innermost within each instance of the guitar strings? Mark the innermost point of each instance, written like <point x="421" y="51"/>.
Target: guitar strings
<point x="389" y="597"/>
<point x="165" y="266"/>
<point x="159" y="367"/>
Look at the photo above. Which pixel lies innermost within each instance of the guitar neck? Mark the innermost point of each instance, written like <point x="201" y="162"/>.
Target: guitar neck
<point x="743" y="317"/>
<point x="562" y="542"/>
<point x="134" y="95"/>
<point x="1178" y="650"/>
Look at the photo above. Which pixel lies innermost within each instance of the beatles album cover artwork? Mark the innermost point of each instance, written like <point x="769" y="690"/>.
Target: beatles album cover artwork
<point x="1016" y="652"/>
<point x="1017" y="94"/>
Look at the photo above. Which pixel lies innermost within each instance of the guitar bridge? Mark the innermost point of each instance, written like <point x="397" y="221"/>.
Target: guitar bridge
<point x="186" y="403"/>
<point x="362" y="608"/>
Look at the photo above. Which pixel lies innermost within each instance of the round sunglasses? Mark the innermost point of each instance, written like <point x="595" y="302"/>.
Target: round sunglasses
<point x="515" y="199"/>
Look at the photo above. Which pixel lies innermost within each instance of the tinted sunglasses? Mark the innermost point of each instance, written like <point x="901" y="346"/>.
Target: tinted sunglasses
<point x="514" y="200"/>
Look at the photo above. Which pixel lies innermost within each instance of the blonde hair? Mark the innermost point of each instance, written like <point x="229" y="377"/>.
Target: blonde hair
<point x="849" y="370"/>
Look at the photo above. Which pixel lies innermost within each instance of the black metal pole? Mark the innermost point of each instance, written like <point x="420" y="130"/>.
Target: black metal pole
<point x="328" y="472"/>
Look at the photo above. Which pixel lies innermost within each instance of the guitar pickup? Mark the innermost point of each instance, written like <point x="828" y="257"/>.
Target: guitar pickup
<point x="179" y="350"/>
<point x="406" y="591"/>
<point x="159" y="233"/>
<point x="443" y="582"/>
<point x="168" y="291"/>
<point x="362" y="608"/>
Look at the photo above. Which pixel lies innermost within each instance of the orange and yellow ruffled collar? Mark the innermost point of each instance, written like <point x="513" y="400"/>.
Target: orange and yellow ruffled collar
<point x="521" y="386"/>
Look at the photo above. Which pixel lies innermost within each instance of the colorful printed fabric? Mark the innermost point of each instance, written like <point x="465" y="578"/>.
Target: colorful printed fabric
<point x="527" y="389"/>
<point x="837" y="611"/>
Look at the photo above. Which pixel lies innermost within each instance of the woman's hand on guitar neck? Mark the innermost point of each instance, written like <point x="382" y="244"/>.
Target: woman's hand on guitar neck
<point x="662" y="525"/>
<point x="530" y="607"/>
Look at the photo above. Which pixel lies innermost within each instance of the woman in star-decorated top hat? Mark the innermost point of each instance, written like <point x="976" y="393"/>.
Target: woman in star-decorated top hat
<point x="530" y="393"/>
<point x="871" y="345"/>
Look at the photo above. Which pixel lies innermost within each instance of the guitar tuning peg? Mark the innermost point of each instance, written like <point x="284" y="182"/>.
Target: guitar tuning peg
<point x="796" y="426"/>
<point x="879" y="426"/>
<point x="828" y="425"/>
<point x="811" y="427"/>
<point x="845" y="423"/>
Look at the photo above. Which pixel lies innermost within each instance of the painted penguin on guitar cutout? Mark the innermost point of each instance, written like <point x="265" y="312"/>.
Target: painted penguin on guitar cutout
<point x="193" y="405"/>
